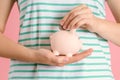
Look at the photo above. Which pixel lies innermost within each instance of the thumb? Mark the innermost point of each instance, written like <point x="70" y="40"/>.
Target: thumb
<point x="81" y="55"/>
<point x="85" y="53"/>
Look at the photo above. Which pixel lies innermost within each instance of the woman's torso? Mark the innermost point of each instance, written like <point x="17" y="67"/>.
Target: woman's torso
<point x="38" y="20"/>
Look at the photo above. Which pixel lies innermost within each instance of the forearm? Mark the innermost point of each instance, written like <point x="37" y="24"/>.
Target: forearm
<point x="10" y="49"/>
<point x="109" y="30"/>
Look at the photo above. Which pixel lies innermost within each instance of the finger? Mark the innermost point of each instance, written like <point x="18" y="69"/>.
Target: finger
<point x="66" y="17"/>
<point x="80" y="56"/>
<point x="59" y="60"/>
<point x="79" y="21"/>
<point x="75" y="14"/>
<point x="72" y="15"/>
<point x="83" y="22"/>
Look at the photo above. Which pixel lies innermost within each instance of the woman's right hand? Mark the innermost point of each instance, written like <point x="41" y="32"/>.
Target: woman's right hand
<point x="45" y="56"/>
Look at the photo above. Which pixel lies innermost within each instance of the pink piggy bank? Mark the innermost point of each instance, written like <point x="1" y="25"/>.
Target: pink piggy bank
<point x="65" y="43"/>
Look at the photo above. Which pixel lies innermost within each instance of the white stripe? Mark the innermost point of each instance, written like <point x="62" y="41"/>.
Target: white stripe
<point x="41" y="21"/>
<point x="59" y="68"/>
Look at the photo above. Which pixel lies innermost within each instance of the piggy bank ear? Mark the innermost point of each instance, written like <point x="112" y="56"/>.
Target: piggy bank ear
<point x="73" y="31"/>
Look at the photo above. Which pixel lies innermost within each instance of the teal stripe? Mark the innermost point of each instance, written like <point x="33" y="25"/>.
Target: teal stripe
<point x="88" y="44"/>
<point x="42" y="17"/>
<point x="65" y="77"/>
<point x="96" y="57"/>
<point x="34" y="45"/>
<point x="47" y="10"/>
<point x="108" y="59"/>
<point x="89" y="64"/>
<point x="97" y="14"/>
<point x="107" y="53"/>
<point x="36" y="38"/>
<point x="102" y="39"/>
<point x="22" y="2"/>
<point x="96" y="51"/>
<point x="91" y="44"/>
<point x="42" y="24"/>
<point x="102" y="5"/>
<point x="84" y="37"/>
<point x="85" y="44"/>
<point x="102" y="14"/>
<point x="104" y="46"/>
<point x="57" y="4"/>
<point x="44" y="38"/>
<point x="22" y="17"/>
<point x="73" y="64"/>
<point x="38" y="31"/>
<point x="88" y="70"/>
<point x="99" y="51"/>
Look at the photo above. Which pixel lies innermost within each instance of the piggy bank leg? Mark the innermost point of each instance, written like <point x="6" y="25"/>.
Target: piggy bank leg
<point x="56" y="52"/>
<point x="69" y="55"/>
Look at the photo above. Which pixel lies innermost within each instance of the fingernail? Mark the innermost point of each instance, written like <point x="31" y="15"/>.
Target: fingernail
<point x="64" y="27"/>
<point x="90" y="50"/>
<point x="61" y="22"/>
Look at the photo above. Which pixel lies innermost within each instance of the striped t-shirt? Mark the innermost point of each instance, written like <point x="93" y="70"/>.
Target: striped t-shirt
<point x="38" y="20"/>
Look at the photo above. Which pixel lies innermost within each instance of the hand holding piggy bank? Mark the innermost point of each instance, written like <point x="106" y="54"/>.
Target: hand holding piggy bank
<point x="65" y="43"/>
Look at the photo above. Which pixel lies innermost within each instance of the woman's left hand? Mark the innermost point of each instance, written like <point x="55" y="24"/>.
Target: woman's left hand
<point x="80" y="16"/>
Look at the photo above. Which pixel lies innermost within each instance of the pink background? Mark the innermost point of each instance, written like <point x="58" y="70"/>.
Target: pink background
<point x="12" y="28"/>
